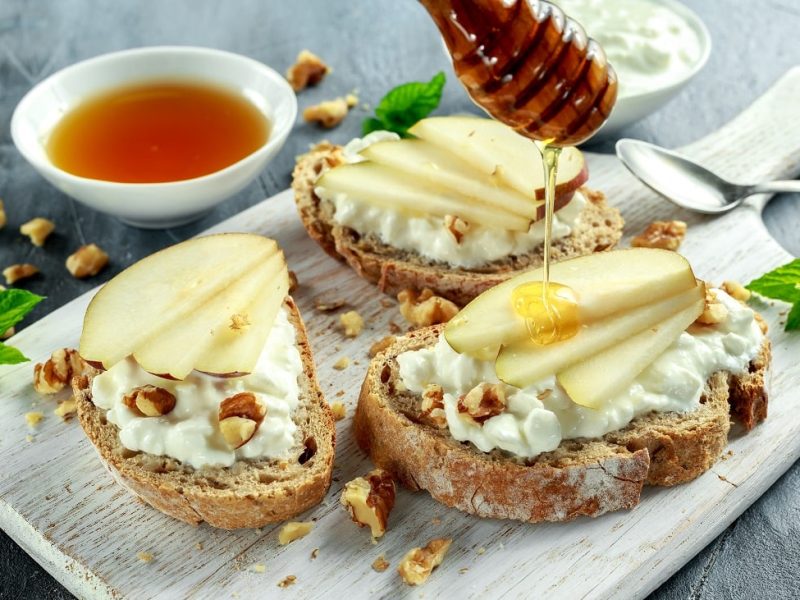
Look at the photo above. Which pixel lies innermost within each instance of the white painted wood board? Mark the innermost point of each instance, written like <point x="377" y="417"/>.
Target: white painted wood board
<point x="58" y="502"/>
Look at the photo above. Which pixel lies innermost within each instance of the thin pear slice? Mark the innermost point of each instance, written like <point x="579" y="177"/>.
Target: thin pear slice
<point x="494" y="148"/>
<point x="600" y="377"/>
<point x="164" y="287"/>
<point x="388" y="188"/>
<point x="605" y="283"/>
<point x="525" y="363"/>
<point x="185" y="343"/>
<point x="439" y="168"/>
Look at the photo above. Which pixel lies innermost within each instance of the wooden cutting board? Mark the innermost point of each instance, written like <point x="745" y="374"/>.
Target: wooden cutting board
<point x="58" y="502"/>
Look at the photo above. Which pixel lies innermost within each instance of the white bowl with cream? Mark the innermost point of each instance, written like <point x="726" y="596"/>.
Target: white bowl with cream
<point x="154" y="205"/>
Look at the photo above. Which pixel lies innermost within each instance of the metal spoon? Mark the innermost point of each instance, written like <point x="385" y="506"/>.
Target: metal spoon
<point x="686" y="183"/>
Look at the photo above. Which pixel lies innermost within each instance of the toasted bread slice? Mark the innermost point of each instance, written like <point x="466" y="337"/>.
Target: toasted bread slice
<point x="251" y="493"/>
<point x="581" y="477"/>
<point x="599" y="227"/>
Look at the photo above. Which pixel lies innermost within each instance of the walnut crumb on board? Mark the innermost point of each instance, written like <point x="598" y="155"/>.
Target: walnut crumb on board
<point x="86" y="261"/>
<point x="259" y="568"/>
<point x="380" y="564"/>
<point x="327" y="114"/>
<point x="418" y="564"/>
<point x="67" y="409"/>
<point x="287" y="581"/>
<point x="145" y="557"/>
<point x="294" y="530"/>
<point x="661" y="234"/>
<point x="342" y="363"/>
<point x="339" y="410"/>
<point x="328" y="305"/>
<point x="18" y="272"/>
<point x="33" y="418"/>
<point x="352" y="323"/>
<point x="425" y="308"/>
<point x="37" y="230"/>
<point x="308" y="70"/>
<point x="314" y="553"/>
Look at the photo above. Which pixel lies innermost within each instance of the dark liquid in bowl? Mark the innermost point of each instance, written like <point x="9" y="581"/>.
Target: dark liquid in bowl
<point x="157" y="132"/>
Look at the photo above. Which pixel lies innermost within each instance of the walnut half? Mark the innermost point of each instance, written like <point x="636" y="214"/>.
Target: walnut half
<point x="432" y="406"/>
<point x="425" y="308"/>
<point x="239" y="418"/>
<point x="484" y="401"/>
<point x="369" y="500"/>
<point x="150" y="401"/>
<point x="53" y="375"/>
<point x="661" y="234"/>
<point x="308" y="69"/>
<point x="418" y="564"/>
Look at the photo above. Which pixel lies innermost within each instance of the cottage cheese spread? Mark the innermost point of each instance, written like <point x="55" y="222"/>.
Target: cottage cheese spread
<point x="190" y="433"/>
<point x="649" y="45"/>
<point x="427" y="236"/>
<point x="539" y="416"/>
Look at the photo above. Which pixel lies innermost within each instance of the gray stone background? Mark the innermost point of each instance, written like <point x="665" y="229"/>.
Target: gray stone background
<point x="372" y="46"/>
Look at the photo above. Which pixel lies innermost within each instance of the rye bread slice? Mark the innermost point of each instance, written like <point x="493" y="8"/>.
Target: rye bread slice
<point x="581" y="477"/>
<point x="598" y="228"/>
<point x="251" y="493"/>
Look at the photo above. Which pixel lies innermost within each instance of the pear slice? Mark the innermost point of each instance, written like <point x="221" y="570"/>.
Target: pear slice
<point x="495" y="149"/>
<point x="224" y="335"/>
<point x="388" y="188"/>
<point x="591" y="382"/>
<point x="169" y="286"/>
<point x="605" y="283"/>
<point x="524" y="363"/>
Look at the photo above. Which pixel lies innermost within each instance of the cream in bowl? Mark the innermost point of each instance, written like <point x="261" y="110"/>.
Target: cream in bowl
<point x="155" y="136"/>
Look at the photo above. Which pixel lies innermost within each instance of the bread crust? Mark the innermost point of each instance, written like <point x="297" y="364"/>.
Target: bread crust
<point x="598" y="228"/>
<point x="582" y="477"/>
<point x="216" y="495"/>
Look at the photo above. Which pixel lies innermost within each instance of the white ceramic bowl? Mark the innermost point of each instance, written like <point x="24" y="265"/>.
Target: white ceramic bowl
<point x="154" y="205"/>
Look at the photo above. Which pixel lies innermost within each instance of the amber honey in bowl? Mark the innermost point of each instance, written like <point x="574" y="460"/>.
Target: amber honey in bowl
<point x="157" y="131"/>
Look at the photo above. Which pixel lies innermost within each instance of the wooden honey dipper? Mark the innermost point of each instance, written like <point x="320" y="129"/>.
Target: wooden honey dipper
<point x="529" y="66"/>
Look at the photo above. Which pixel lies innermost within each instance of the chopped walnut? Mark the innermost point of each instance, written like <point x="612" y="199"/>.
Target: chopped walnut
<point x="294" y="530"/>
<point x="456" y="226"/>
<point x="342" y="363"/>
<point x="15" y="273"/>
<point x="239" y="417"/>
<point x="308" y="70"/>
<point x="351" y="323"/>
<point x="351" y="100"/>
<point x="484" y="401"/>
<point x="293" y="282"/>
<point x="736" y="290"/>
<point x="57" y="372"/>
<point x="419" y="563"/>
<point x="381" y="345"/>
<point x="661" y="234"/>
<point x="239" y="322"/>
<point x="37" y="230"/>
<point x="339" y="410"/>
<point x="425" y="308"/>
<point x="380" y="564"/>
<point x="150" y="401"/>
<point x="432" y="406"/>
<point x="66" y="409"/>
<point x="3" y="219"/>
<point x="287" y="581"/>
<point x="328" y="114"/>
<point x="328" y="305"/>
<point x="33" y="418"/>
<point x="714" y="311"/>
<point x="259" y="568"/>
<point x="145" y="557"/>
<point x="369" y="500"/>
<point x="86" y="261"/>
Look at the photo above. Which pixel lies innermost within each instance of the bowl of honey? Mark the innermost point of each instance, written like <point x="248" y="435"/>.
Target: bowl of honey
<point x="155" y="136"/>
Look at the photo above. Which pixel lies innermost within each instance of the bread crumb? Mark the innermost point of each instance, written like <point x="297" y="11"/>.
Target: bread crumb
<point x="425" y="308"/>
<point x="18" y="272"/>
<point x="307" y="70"/>
<point x="37" y="230"/>
<point x="145" y="557"/>
<point x="351" y="323"/>
<point x="287" y="581"/>
<point x="327" y="114"/>
<point x="340" y="393"/>
<point x="667" y="235"/>
<point x="199" y="546"/>
<point x="259" y="568"/>
<point x="481" y="550"/>
<point x="381" y="345"/>
<point x="418" y="564"/>
<point x="293" y="282"/>
<point x="380" y="564"/>
<point x="328" y="305"/>
<point x="66" y="409"/>
<point x="342" y="363"/>
<point x="28" y="438"/>
<point x="294" y="530"/>
<point x="33" y="418"/>
<point x="314" y="553"/>
<point x="351" y="100"/>
<point x="436" y="521"/>
<point x="339" y="410"/>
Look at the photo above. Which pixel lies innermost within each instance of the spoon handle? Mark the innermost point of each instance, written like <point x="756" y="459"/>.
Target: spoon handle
<point x="775" y="187"/>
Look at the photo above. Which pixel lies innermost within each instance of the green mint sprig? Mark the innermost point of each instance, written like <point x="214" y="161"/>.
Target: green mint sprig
<point x="406" y="104"/>
<point x="14" y="305"/>
<point x="782" y="283"/>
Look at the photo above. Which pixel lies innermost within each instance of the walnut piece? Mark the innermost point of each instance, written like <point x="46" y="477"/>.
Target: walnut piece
<point x="308" y="69"/>
<point x="3" y="219"/>
<point x="287" y="581"/>
<point x="15" y="273"/>
<point x="369" y="500"/>
<point x="150" y="401"/>
<point x="328" y="114"/>
<point x="661" y="234"/>
<point x="294" y="530"/>
<point x="380" y="564"/>
<point x="714" y="312"/>
<point x="86" y="261"/>
<point x="145" y="557"/>
<point x="381" y="345"/>
<point x="66" y="409"/>
<point x="484" y="401"/>
<point x="239" y="322"/>
<point x="736" y="290"/>
<point x="57" y="372"/>
<point x="432" y="406"/>
<point x="351" y="323"/>
<point x="425" y="308"/>
<point x="239" y="417"/>
<point x="33" y="418"/>
<point x="418" y="564"/>
<point x="339" y="410"/>
<point x="342" y="363"/>
<point x="37" y="229"/>
<point x="456" y="226"/>
<point x="328" y="305"/>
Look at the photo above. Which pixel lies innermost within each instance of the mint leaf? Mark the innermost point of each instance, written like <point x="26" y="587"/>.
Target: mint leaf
<point x="11" y="356"/>
<point x="14" y="305"/>
<point x="782" y="283"/>
<point x="405" y="105"/>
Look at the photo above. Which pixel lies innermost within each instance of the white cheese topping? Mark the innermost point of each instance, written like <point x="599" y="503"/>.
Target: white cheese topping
<point x="539" y="416"/>
<point x="427" y="236"/>
<point x="648" y="44"/>
<point x="190" y="433"/>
